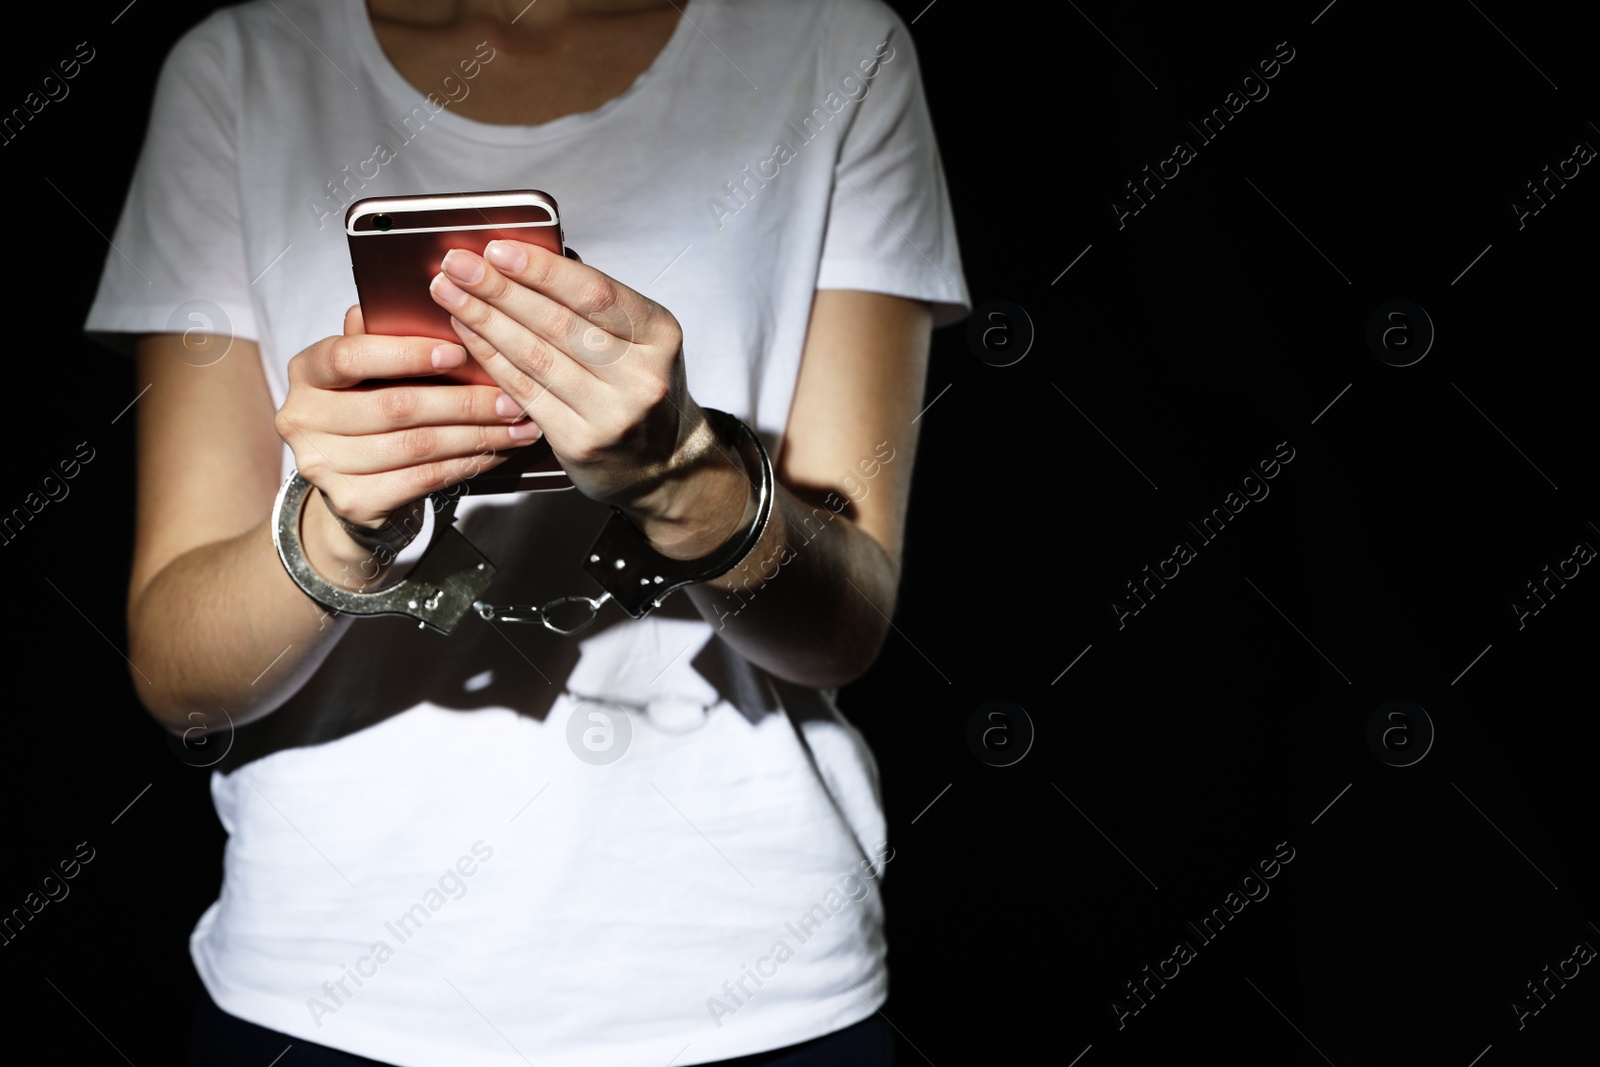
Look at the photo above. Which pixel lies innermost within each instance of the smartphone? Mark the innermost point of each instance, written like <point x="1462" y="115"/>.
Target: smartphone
<point x="397" y="246"/>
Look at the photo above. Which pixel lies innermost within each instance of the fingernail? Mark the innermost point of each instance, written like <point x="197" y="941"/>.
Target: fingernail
<point x="463" y="266"/>
<point x="447" y="356"/>
<point x="506" y="407"/>
<point x="447" y="291"/>
<point x="506" y="256"/>
<point x="525" y="431"/>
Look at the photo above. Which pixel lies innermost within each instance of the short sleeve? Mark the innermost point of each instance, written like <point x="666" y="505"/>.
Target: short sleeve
<point x="890" y="227"/>
<point x="177" y="259"/>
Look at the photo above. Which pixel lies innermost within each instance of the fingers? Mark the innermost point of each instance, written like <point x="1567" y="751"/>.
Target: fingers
<point x="534" y="308"/>
<point x="527" y="337"/>
<point x="533" y="397"/>
<point x="341" y="362"/>
<point x="375" y="448"/>
<point x="416" y="446"/>
<point x="599" y="299"/>
<point x="373" y="444"/>
<point x="523" y="362"/>
<point x="384" y="407"/>
<point x="371" y="498"/>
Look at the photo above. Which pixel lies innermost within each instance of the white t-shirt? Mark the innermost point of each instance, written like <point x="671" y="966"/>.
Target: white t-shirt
<point x="420" y="866"/>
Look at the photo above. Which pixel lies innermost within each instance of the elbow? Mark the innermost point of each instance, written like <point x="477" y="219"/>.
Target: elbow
<point x="862" y="655"/>
<point x="180" y="711"/>
<point x="839" y="677"/>
<point x="846" y="661"/>
<point x="158" y="700"/>
<point x="155" y="699"/>
<point x="184" y="719"/>
<point x="162" y="705"/>
<point x="859" y="658"/>
<point x="858" y="642"/>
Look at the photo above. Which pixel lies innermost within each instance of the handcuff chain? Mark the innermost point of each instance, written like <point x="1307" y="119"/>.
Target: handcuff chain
<point x="541" y="614"/>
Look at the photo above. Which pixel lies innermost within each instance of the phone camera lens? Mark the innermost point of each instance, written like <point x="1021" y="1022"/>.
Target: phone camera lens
<point x="382" y="222"/>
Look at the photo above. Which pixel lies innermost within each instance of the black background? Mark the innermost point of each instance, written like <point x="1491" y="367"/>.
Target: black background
<point x="1220" y="720"/>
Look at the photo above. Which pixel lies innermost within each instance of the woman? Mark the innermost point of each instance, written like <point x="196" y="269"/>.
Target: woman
<point x="424" y="864"/>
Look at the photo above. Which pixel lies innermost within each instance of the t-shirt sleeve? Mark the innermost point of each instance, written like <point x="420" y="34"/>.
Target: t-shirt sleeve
<point x="890" y="227"/>
<point x="177" y="260"/>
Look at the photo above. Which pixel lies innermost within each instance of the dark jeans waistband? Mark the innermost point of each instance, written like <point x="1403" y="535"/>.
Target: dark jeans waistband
<point x="223" y="1040"/>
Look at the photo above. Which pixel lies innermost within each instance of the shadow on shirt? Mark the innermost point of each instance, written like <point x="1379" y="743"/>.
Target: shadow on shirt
<point x="385" y="665"/>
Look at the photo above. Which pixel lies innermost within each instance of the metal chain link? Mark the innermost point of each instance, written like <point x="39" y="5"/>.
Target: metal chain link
<point x="541" y="614"/>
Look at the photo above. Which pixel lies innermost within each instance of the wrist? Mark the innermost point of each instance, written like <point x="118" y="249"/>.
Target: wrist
<point x="637" y="575"/>
<point x="702" y="499"/>
<point x="335" y="555"/>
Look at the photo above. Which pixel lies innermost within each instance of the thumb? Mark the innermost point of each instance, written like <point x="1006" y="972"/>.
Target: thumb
<point x="354" y="323"/>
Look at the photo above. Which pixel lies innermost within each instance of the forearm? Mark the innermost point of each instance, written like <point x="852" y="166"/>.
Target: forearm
<point x="224" y="627"/>
<point x="812" y="601"/>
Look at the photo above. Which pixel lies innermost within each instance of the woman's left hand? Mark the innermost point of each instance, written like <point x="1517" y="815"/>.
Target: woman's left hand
<point x="597" y="366"/>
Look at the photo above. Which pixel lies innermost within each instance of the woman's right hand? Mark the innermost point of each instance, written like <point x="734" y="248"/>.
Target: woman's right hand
<point x="375" y="449"/>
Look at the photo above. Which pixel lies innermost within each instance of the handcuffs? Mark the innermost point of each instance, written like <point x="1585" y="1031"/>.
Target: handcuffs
<point x="446" y="581"/>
